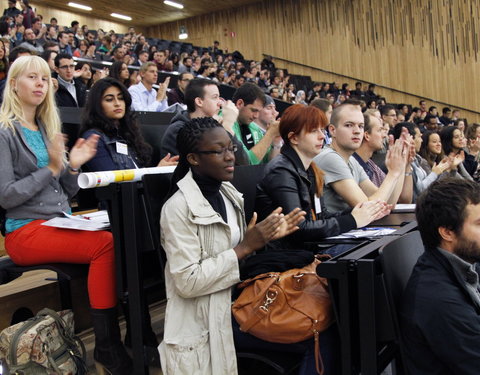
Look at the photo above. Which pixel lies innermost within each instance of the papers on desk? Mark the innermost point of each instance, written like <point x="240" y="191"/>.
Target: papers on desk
<point x="404" y="207"/>
<point x="91" y="222"/>
<point x="364" y="233"/>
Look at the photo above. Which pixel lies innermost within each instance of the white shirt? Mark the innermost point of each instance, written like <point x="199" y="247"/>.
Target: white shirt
<point x="144" y="100"/>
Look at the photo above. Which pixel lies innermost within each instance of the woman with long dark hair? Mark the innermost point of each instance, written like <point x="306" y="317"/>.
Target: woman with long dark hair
<point x="453" y="143"/>
<point x="204" y="234"/>
<point x="121" y="145"/>
<point x="119" y="71"/>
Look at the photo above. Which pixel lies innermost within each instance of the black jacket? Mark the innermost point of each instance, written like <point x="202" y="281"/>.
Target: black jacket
<point x="65" y="99"/>
<point x="440" y="321"/>
<point x="286" y="184"/>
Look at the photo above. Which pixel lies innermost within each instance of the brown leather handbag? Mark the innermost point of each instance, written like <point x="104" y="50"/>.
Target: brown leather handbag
<point x="286" y="307"/>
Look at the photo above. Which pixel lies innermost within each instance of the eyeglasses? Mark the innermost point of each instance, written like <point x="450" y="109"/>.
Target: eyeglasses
<point x="223" y="152"/>
<point x="67" y="67"/>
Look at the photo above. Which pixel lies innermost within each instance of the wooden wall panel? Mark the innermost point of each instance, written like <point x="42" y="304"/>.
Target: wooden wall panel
<point x="428" y="48"/>
<point x="65" y="18"/>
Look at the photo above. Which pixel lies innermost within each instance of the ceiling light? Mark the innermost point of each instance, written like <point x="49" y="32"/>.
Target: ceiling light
<point x="173" y="4"/>
<point x="79" y="6"/>
<point x="121" y="16"/>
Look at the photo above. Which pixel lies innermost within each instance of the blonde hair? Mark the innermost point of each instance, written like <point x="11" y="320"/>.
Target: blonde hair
<point x="12" y="109"/>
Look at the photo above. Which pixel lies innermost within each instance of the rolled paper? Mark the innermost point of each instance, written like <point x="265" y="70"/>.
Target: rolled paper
<point x="96" y="179"/>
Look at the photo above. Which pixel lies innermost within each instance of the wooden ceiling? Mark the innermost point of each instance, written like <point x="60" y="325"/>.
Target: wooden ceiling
<point x="147" y="12"/>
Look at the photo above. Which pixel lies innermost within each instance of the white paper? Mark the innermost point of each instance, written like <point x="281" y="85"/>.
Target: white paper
<point x="96" y="179"/>
<point x="364" y="233"/>
<point x="404" y="207"/>
<point x="78" y="224"/>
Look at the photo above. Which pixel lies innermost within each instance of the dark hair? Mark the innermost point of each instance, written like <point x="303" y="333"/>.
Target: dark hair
<point x="53" y="19"/>
<point x="446" y="110"/>
<point x="195" y="89"/>
<point x="4" y="26"/>
<point x="431" y="108"/>
<point x="321" y="104"/>
<point x="471" y="131"/>
<point x="384" y="109"/>
<point x="79" y="66"/>
<point x="249" y="92"/>
<point x="35" y="20"/>
<point x="446" y="135"/>
<point x="299" y="117"/>
<point x="188" y="139"/>
<point x="74" y="23"/>
<point x="62" y="56"/>
<point x="410" y="126"/>
<point x="425" y="153"/>
<point x="128" y="129"/>
<point x="46" y="54"/>
<point x="444" y="204"/>
<point x="61" y="34"/>
<point x="16" y="51"/>
<point x="115" y="70"/>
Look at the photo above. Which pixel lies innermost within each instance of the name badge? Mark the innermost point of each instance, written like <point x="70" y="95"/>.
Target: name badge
<point x="318" y="205"/>
<point x="122" y="148"/>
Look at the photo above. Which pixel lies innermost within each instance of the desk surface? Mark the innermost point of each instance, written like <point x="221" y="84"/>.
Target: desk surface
<point x="395" y="219"/>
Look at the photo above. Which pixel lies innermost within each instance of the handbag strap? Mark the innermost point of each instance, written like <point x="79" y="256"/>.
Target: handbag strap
<point x="318" y="356"/>
<point x="260" y="311"/>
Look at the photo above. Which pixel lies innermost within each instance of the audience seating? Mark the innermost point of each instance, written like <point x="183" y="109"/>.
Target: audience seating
<point x="398" y="259"/>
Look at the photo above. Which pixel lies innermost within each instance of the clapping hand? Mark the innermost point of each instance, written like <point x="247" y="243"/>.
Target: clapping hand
<point x="83" y="151"/>
<point x="168" y="161"/>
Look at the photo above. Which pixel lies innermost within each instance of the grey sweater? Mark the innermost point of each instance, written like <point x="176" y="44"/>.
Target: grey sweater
<point x="26" y="191"/>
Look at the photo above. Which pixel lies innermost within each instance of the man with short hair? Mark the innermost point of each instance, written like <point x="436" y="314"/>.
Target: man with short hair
<point x="144" y="96"/>
<point x="202" y="99"/>
<point x="30" y="42"/>
<point x="177" y="95"/>
<point x="346" y="183"/>
<point x="373" y="138"/>
<point x="267" y="119"/>
<point x="90" y="37"/>
<point x="389" y="115"/>
<point x="63" y="42"/>
<point x="142" y="58"/>
<point x="358" y="92"/>
<point x="446" y="117"/>
<point x="239" y="81"/>
<point x="187" y="66"/>
<point x="440" y="309"/>
<point x="118" y="53"/>
<point x="54" y="22"/>
<point x="51" y="46"/>
<point x="51" y="35"/>
<point x="71" y="91"/>
<point x="431" y="122"/>
<point x="250" y="100"/>
<point x="160" y="58"/>
<point x="12" y="9"/>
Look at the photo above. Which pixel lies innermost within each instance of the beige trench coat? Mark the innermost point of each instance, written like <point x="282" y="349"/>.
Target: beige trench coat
<point x="200" y="271"/>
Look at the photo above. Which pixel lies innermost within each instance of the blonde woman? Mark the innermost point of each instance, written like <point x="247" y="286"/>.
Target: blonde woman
<point x="36" y="184"/>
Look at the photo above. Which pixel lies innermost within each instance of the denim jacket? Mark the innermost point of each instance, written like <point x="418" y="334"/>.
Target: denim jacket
<point x="107" y="158"/>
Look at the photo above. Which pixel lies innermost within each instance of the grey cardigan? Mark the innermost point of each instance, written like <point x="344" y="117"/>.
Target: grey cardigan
<point x="26" y="191"/>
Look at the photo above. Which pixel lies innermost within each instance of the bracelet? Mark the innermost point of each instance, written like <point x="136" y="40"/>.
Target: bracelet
<point x="74" y="170"/>
<point x="408" y="174"/>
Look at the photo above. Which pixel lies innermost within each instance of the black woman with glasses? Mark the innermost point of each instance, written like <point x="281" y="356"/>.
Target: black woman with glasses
<point x="204" y="235"/>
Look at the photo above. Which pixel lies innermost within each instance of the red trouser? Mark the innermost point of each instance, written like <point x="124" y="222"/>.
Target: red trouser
<point x="36" y="244"/>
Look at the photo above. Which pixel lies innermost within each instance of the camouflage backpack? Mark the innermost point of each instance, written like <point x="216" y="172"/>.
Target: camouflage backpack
<point x="43" y="345"/>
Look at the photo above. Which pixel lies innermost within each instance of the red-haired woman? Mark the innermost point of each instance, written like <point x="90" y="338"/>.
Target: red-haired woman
<point x="292" y="180"/>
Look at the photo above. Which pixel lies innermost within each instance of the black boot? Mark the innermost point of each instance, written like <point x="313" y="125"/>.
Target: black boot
<point x="109" y="351"/>
<point x="150" y="342"/>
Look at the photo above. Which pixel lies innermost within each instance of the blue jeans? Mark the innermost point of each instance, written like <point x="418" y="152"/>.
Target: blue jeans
<point x="329" y="349"/>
